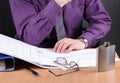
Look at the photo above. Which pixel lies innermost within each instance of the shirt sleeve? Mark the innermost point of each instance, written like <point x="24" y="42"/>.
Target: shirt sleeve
<point x="33" y="27"/>
<point x="99" y="22"/>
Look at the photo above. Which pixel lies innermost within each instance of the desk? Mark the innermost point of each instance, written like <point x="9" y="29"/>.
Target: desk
<point x="85" y="75"/>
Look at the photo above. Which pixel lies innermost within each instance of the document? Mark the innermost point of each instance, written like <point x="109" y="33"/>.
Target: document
<point x="84" y="58"/>
<point x="43" y="57"/>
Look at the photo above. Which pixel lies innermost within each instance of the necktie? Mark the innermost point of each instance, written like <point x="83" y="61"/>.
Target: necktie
<point x="60" y="28"/>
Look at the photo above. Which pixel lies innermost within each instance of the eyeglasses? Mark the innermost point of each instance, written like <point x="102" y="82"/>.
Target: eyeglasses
<point x="71" y="67"/>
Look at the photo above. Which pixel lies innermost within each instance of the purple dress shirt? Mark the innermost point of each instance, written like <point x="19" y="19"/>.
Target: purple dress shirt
<point x="35" y="20"/>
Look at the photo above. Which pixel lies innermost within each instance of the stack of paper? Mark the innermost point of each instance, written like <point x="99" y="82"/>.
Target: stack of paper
<point x="84" y="58"/>
<point x="44" y="57"/>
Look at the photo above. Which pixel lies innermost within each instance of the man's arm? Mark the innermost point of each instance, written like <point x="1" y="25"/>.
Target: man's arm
<point x="31" y="26"/>
<point x="99" y="22"/>
<point x="99" y="25"/>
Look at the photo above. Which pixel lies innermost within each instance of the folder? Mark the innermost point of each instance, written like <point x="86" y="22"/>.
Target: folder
<point x="7" y="63"/>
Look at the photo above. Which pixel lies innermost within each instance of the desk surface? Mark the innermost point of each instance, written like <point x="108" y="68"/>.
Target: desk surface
<point x="85" y="75"/>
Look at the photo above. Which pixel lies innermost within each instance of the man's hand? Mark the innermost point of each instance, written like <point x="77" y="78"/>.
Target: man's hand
<point x="67" y="45"/>
<point x="61" y="3"/>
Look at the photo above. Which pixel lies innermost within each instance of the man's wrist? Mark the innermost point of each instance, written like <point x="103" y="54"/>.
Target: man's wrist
<point x="85" y="41"/>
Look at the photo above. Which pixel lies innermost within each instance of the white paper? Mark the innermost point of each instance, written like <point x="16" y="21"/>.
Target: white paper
<point x="42" y="56"/>
<point x="84" y="58"/>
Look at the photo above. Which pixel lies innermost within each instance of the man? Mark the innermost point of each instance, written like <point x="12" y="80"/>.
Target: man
<point x="35" y="22"/>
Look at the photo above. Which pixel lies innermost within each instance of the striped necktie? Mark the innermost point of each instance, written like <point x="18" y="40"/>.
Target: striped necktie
<point x="60" y="28"/>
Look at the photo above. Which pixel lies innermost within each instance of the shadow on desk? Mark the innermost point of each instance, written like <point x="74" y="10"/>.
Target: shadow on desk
<point x="20" y="64"/>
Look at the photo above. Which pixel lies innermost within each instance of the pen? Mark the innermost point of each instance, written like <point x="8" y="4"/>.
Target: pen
<point x="33" y="71"/>
<point x="49" y="66"/>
